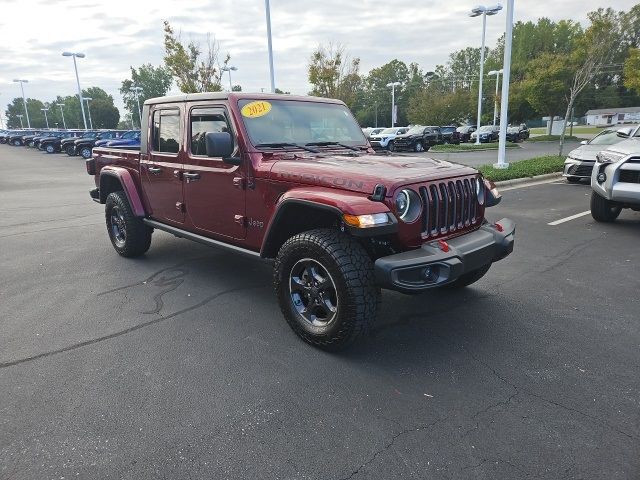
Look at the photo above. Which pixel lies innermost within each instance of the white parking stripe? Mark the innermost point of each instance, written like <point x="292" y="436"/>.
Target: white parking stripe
<point x="568" y="219"/>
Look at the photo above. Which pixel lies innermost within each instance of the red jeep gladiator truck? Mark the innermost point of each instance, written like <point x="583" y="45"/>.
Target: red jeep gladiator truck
<point x="293" y="179"/>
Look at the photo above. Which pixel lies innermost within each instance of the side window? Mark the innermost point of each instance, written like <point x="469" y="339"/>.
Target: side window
<point x="205" y="120"/>
<point x="166" y="131"/>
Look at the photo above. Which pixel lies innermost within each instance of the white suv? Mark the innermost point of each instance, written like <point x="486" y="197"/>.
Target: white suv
<point x="615" y="180"/>
<point x="384" y="139"/>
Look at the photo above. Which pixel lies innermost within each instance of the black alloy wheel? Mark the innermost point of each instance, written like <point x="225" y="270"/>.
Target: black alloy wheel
<point x="313" y="292"/>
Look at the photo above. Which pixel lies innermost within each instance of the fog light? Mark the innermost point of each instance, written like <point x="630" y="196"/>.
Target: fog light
<point x="602" y="177"/>
<point x="431" y="273"/>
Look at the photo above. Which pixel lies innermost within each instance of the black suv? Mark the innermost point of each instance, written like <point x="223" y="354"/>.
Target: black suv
<point x="83" y="146"/>
<point x="450" y="135"/>
<point x="418" y="139"/>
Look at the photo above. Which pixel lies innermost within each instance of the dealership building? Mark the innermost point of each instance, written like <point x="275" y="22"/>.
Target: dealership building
<point x="613" y="116"/>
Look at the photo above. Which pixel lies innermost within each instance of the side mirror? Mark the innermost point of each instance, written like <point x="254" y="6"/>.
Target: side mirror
<point x="584" y="142"/>
<point x="220" y="144"/>
<point x="624" y="132"/>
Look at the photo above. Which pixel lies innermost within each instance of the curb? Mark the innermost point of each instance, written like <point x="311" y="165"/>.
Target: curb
<point x="520" y="181"/>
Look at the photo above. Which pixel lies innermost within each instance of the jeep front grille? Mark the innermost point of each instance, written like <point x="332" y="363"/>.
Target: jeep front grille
<point x="449" y="206"/>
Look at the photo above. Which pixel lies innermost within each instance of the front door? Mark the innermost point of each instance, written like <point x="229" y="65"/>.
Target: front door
<point x="161" y="169"/>
<point x="214" y="193"/>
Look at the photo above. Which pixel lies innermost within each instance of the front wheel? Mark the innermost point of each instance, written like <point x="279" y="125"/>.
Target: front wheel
<point x="50" y="148"/>
<point x="603" y="210"/>
<point x="419" y="147"/>
<point x="129" y="235"/>
<point x="71" y="150"/>
<point x="326" y="288"/>
<point x="390" y="146"/>
<point x="85" y="152"/>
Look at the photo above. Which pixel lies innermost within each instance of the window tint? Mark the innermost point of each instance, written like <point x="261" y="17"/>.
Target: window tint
<point x="166" y="131"/>
<point x="205" y="120"/>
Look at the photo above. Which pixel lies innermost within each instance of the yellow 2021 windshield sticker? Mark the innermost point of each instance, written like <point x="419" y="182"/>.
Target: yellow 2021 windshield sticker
<point x="256" y="109"/>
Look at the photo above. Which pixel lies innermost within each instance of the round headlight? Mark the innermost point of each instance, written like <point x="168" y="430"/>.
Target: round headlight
<point x="408" y="205"/>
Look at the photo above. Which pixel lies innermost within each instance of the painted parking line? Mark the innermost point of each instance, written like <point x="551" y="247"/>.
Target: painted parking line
<point x="568" y="219"/>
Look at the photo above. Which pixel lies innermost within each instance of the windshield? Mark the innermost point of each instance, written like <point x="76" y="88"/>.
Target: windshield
<point x="298" y="122"/>
<point x="389" y="131"/>
<point x="606" y="137"/>
<point x="448" y="129"/>
<point x="416" y="130"/>
<point x="485" y="129"/>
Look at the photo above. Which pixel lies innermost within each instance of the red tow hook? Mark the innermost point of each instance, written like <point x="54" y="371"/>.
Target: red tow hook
<point x="444" y="246"/>
<point x="499" y="227"/>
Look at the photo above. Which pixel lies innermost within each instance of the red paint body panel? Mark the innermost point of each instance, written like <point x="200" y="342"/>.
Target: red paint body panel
<point x="236" y="204"/>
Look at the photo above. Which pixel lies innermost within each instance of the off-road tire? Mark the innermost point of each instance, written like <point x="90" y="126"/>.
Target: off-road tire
<point x="469" y="278"/>
<point x="70" y="150"/>
<point x="50" y="148"/>
<point x="137" y="238"/>
<point x="603" y="210"/>
<point x="351" y="271"/>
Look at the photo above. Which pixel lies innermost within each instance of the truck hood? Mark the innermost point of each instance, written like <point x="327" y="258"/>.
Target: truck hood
<point x="363" y="173"/>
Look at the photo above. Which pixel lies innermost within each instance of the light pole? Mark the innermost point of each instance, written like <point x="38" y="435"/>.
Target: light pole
<point x="24" y="100"/>
<point x="504" y="104"/>
<point x="75" y="66"/>
<point x="476" y="12"/>
<point x="393" y="86"/>
<point x="88" y="99"/>
<point x="64" y="124"/>
<point x="495" y="101"/>
<point x="20" y="117"/>
<point x="46" y="119"/>
<point x="268" y="12"/>
<point x="137" y="91"/>
<point x="229" y="69"/>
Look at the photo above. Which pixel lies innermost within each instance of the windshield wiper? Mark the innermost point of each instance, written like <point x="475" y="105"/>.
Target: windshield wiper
<point x="326" y="144"/>
<point x="285" y="144"/>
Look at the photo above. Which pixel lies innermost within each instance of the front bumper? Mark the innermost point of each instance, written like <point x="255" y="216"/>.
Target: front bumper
<point x="577" y="168"/>
<point x="429" y="266"/>
<point x="622" y="181"/>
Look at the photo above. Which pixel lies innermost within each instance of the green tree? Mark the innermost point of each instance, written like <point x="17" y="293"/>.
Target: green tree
<point x="546" y="85"/>
<point x="193" y="69"/>
<point x="632" y="70"/>
<point x="16" y="107"/>
<point x="334" y="74"/>
<point x="154" y="82"/>
<point x="104" y="113"/>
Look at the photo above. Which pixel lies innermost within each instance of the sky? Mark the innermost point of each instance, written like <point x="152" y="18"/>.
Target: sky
<point x="117" y="34"/>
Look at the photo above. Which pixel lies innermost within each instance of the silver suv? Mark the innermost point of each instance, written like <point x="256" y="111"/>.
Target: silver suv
<point x="615" y="180"/>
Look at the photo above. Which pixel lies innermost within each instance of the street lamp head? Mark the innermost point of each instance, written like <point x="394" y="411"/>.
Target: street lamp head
<point x="20" y="81"/>
<point x="393" y="84"/>
<point x="87" y="98"/>
<point x="73" y="54"/>
<point x="136" y="89"/>
<point x="492" y="10"/>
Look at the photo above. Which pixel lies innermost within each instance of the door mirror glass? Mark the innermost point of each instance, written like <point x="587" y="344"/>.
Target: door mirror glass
<point x="219" y="144"/>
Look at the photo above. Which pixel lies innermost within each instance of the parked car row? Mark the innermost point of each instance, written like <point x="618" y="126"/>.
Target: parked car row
<point x="71" y="142"/>
<point x="491" y="133"/>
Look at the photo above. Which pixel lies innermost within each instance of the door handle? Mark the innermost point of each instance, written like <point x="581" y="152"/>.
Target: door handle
<point x="190" y="176"/>
<point x="155" y="170"/>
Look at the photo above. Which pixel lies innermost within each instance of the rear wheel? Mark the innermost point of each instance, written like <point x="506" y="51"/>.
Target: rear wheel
<point x="71" y="150"/>
<point x="603" y="210"/>
<point x="17" y="142"/>
<point x="129" y="235"/>
<point x="326" y="289"/>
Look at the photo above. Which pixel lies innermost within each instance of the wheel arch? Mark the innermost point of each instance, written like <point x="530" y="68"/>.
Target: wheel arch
<point x="113" y="179"/>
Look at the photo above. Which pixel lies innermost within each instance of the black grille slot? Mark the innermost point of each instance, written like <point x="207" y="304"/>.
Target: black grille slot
<point x="629" y="176"/>
<point x="449" y="206"/>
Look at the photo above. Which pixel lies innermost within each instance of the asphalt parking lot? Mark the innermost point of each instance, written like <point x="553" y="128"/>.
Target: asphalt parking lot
<point x="180" y="365"/>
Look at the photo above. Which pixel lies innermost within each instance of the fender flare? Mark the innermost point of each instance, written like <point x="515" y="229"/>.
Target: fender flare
<point x="336" y="202"/>
<point x="128" y="185"/>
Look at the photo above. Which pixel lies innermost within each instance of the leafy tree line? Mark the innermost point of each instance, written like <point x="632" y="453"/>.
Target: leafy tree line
<point x="556" y="67"/>
<point x="104" y="113"/>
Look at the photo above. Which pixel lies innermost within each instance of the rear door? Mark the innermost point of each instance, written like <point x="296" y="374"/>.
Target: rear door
<point x="213" y="189"/>
<point x="161" y="168"/>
